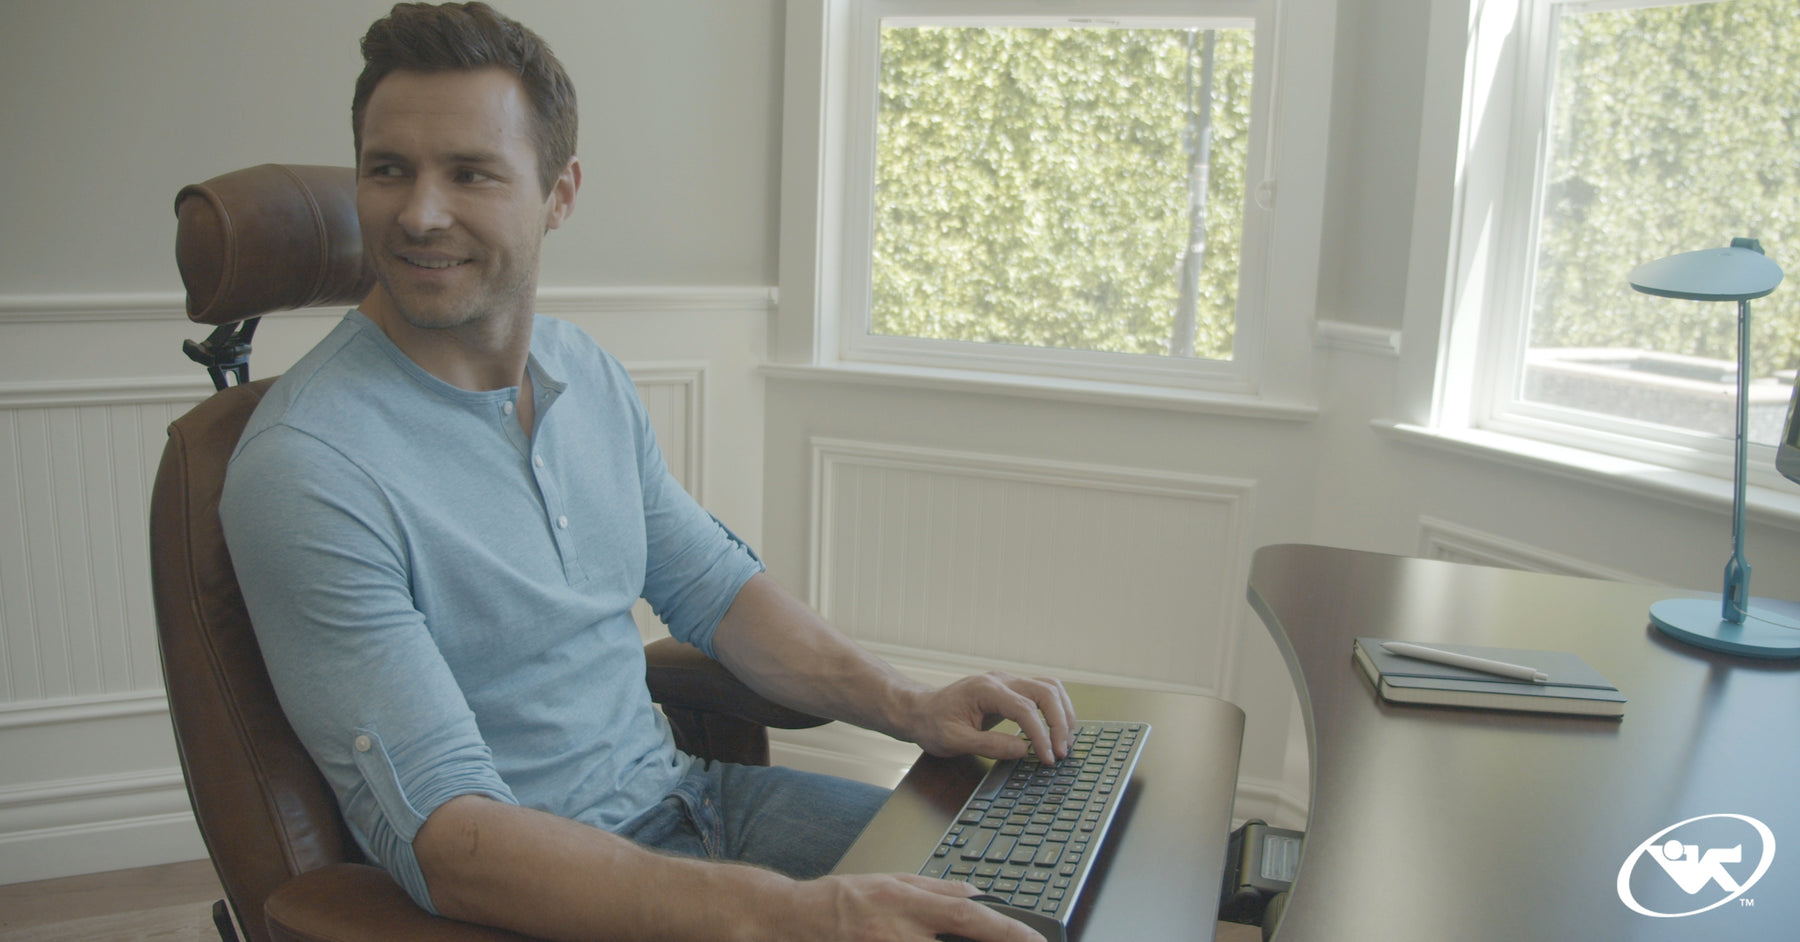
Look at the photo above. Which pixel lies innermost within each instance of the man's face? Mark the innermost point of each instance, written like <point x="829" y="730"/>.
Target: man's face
<point x="451" y="209"/>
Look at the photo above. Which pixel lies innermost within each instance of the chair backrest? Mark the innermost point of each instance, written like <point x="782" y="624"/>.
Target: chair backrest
<point x="259" y="240"/>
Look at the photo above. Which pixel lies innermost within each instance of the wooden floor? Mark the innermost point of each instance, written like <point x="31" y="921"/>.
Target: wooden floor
<point x="169" y="903"/>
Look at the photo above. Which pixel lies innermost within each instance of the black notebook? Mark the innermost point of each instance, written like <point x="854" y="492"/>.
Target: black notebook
<point x="1573" y="686"/>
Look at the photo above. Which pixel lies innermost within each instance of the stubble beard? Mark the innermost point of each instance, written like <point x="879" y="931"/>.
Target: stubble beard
<point x="492" y="300"/>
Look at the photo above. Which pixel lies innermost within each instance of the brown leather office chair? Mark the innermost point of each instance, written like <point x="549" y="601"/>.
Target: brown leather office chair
<point x="266" y="239"/>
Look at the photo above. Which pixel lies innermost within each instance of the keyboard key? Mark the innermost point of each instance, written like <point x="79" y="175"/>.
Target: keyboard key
<point x="978" y="845"/>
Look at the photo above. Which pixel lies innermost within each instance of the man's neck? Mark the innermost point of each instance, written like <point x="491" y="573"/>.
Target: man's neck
<point x="482" y="355"/>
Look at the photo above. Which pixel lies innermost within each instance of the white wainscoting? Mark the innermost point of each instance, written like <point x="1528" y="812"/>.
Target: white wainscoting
<point x="945" y="562"/>
<point x="75" y="615"/>
<point x="89" y="778"/>
<point x="931" y="555"/>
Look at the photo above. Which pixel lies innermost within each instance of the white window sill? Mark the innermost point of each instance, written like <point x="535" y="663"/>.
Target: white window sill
<point x="1042" y="387"/>
<point x="1764" y="505"/>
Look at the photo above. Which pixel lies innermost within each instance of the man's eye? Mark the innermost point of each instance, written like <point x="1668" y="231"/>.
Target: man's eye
<point x="383" y="170"/>
<point x="471" y="176"/>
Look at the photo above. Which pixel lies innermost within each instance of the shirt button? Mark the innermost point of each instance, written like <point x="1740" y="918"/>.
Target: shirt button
<point x="506" y="408"/>
<point x="537" y="460"/>
<point x="562" y="522"/>
<point x="363" y="744"/>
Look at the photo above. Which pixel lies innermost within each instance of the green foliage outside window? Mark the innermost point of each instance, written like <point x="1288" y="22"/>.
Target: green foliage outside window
<point x="1032" y="186"/>
<point x="1674" y="129"/>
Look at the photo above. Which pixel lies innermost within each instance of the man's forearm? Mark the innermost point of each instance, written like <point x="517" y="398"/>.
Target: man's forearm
<point x="500" y="865"/>
<point x="786" y="652"/>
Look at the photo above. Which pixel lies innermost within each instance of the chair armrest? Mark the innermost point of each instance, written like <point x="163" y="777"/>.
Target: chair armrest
<point x="359" y="903"/>
<point x="682" y="678"/>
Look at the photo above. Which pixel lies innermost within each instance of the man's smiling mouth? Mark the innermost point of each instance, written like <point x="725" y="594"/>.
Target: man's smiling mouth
<point x="433" y="263"/>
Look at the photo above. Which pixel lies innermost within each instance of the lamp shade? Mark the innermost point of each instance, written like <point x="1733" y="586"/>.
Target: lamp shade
<point x="1730" y="274"/>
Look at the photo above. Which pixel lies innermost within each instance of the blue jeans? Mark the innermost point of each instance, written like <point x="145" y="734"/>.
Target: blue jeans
<point x="796" y="823"/>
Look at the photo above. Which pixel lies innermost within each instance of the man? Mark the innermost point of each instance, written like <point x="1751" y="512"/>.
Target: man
<point x="441" y="517"/>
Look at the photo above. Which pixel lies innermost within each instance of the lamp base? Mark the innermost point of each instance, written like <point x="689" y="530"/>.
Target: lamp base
<point x="1771" y="629"/>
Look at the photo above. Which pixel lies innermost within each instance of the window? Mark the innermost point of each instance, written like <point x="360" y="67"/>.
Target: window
<point x="1637" y="130"/>
<point x="1062" y="187"/>
<point x="1087" y="196"/>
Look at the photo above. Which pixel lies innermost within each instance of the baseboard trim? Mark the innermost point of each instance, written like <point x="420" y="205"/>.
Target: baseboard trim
<point x="99" y="846"/>
<point x="63" y="827"/>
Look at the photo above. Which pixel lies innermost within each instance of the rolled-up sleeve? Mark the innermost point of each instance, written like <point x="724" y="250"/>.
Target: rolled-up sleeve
<point x="324" y="576"/>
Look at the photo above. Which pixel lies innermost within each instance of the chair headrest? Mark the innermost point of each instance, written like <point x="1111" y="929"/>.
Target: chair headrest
<point x="270" y="238"/>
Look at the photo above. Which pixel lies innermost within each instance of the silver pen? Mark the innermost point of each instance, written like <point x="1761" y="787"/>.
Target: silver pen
<point x="1470" y="661"/>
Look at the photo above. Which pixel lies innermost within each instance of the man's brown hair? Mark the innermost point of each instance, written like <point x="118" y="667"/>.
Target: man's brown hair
<point x="423" y="37"/>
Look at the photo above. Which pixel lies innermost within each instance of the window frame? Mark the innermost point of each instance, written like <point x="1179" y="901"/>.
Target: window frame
<point x="1508" y="73"/>
<point x="827" y="187"/>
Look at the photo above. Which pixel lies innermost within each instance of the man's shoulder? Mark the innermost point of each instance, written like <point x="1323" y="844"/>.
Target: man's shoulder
<point x="316" y="397"/>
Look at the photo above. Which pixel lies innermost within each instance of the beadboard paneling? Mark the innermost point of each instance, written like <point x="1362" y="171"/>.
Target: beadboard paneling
<point x="75" y="612"/>
<point x="1092" y="571"/>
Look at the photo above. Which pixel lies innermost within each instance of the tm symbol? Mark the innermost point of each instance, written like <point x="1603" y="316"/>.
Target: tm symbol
<point x="1746" y="903"/>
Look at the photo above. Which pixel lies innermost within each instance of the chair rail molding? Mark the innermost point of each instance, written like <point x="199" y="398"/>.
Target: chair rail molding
<point x="75" y="308"/>
<point x="1357" y="338"/>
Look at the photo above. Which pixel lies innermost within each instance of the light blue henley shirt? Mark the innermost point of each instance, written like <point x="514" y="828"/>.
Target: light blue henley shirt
<point x="444" y="603"/>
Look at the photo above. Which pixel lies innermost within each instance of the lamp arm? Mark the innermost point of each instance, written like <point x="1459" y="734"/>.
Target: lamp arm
<point x="1736" y="603"/>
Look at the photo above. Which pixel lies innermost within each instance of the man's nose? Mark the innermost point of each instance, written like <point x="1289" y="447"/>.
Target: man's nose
<point x="427" y="208"/>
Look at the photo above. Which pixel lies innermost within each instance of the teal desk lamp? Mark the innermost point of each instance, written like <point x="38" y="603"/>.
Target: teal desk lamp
<point x="1742" y="625"/>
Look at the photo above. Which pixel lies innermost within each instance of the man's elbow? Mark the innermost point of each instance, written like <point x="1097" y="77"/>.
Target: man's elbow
<point x="451" y="857"/>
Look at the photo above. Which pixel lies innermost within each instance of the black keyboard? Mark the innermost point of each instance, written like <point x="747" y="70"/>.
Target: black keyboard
<point x="1028" y="836"/>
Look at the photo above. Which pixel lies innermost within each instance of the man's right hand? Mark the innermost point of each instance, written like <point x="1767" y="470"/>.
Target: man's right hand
<point x="897" y="908"/>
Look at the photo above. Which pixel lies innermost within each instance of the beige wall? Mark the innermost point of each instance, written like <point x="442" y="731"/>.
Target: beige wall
<point x="108" y="106"/>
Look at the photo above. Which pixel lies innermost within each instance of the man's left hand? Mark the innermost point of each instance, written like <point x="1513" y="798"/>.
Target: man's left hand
<point x="959" y="719"/>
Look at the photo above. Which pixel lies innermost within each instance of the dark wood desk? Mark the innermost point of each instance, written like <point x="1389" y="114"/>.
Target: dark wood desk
<point x="1435" y="824"/>
<point x="1159" y="876"/>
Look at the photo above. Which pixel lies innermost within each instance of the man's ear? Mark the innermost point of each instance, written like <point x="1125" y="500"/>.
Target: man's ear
<point x="561" y="201"/>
